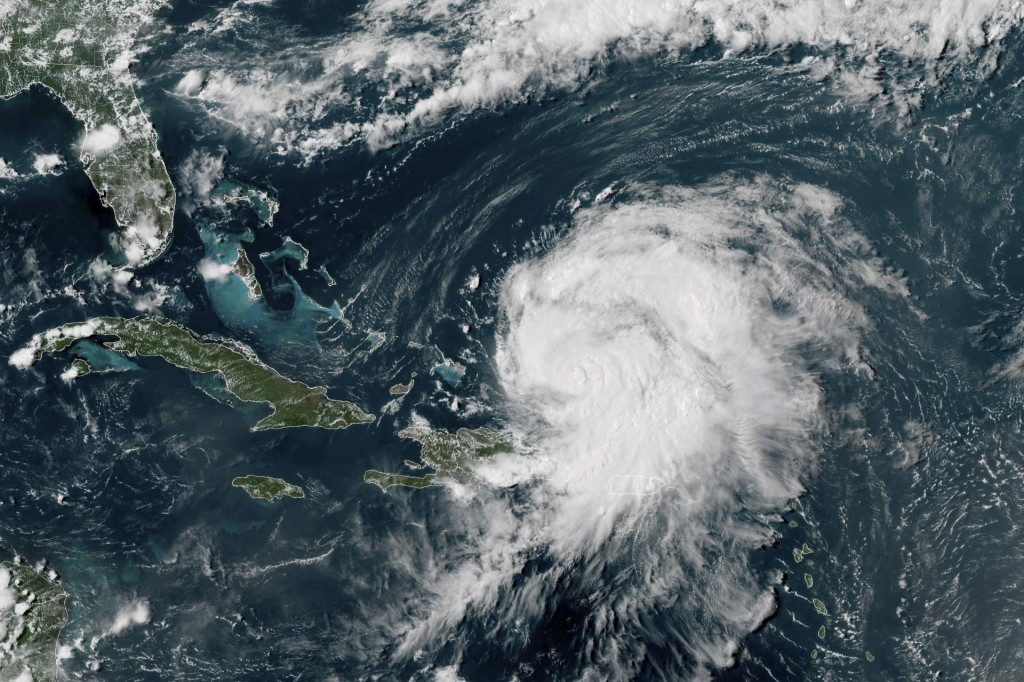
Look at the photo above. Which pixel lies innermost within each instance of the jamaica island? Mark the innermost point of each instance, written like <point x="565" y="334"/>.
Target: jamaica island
<point x="267" y="488"/>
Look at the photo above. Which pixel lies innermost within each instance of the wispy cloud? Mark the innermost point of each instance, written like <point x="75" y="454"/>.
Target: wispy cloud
<point x="427" y="60"/>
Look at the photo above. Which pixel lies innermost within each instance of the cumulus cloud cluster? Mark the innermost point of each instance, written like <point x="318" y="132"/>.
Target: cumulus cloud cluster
<point x="138" y="240"/>
<point x="212" y="270"/>
<point x="198" y="175"/>
<point x="462" y="56"/>
<point x="47" y="164"/>
<point x="101" y="140"/>
<point x="658" y="363"/>
<point x="7" y="171"/>
<point x="25" y="357"/>
<point x="130" y="615"/>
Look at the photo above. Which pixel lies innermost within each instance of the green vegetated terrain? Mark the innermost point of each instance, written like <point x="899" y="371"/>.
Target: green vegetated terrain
<point x="448" y="454"/>
<point x="401" y="389"/>
<point x="267" y="488"/>
<point x="237" y="192"/>
<point x="245" y="269"/>
<point x="32" y="614"/>
<point x="81" y="50"/>
<point x="244" y="375"/>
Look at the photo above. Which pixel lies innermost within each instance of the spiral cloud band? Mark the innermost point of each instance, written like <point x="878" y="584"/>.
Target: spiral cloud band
<point x="663" y="365"/>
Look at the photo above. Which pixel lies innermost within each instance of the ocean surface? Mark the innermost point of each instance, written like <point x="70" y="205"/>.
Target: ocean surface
<point x="751" y="312"/>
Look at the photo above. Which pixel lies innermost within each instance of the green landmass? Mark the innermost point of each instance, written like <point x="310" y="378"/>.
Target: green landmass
<point x="384" y="480"/>
<point x="245" y="376"/>
<point x="448" y="454"/>
<point x="819" y="606"/>
<point x="870" y="656"/>
<point x="30" y="623"/>
<point x="821" y="632"/>
<point x="800" y="552"/>
<point x="235" y="191"/>
<point x="245" y="269"/>
<point x="81" y="51"/>
<point x="267" y="488"/>
<point x="81" y="367"/>
<point x="401" y="389"/>
<point x="809" y="579"/>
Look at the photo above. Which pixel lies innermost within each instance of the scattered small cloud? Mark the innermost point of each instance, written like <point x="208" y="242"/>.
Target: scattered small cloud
<point x="105" y="273"/>
<point x="198" y="175"/>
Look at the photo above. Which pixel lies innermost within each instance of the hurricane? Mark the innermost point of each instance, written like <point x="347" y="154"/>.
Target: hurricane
<point x="526" y="340"/>
<point x="661" y="364"/>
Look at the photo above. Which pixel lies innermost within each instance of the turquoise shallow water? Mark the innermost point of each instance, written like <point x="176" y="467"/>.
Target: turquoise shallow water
<point x="913" y="502"/>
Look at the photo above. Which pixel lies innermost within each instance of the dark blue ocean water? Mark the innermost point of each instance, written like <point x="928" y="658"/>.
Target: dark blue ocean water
<point x="914" y="510"/>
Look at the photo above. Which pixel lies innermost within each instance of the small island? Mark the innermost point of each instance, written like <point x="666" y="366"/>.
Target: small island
<point x="450" y="455"/>
<point x="81" y="367"/>
<point x="267" y="488"/>
<point x="451" y="372"/>
<point x="245" y="376"/>
<point x="30" y="623"/>
<point x="78" y="368"/>
<point x="402" y="389"/>
<point x="244" y="268"/>
<point x="229" y="191"/>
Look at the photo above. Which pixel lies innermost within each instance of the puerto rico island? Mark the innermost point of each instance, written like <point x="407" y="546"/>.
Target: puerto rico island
<point x="81" y="51"/>
<point x="267" y="488"/>
<point x="245" y="376"/>
<point x="448" y="454"/>
<point x="32" y="614"/>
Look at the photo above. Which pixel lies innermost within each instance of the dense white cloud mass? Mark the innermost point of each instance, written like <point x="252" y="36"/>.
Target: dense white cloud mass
<point x="7" y="171"/>
<point x="101" y="140"/>
<point x="658" y="365"/>
<point x="47" y="164"/>
<point x="211" y="270"/>
<point x="463" y="56"/>
<point x="26" y="355"/>
<point x="653" y="349"/>
<point x="191" y="82"/>
<point x="130" y="615"/>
